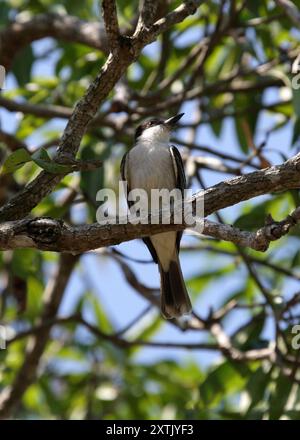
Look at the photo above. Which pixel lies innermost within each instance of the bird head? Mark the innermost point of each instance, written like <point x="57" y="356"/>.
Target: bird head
<point x="157" y="130"/>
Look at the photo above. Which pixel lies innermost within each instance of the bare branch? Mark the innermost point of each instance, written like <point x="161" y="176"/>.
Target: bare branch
<point x="223" y="342"/>
<point x="274" y="179"/>
<point x="210" y="163"/>
<point x="211" y="151"/>
<point x="147" y="14"/>
<point x="53" y="111"/>
<point x="258" y="240"/>
<point x="43" y="111"/>
<point x="55" y="235"/>
<point x="149" y="8"/>
<point x="225" y="345"/>
<point x="146" y="36"/>
<point x="150" y="294"/>
<point x="110" y="16"/>
<point x="255" y="260"/>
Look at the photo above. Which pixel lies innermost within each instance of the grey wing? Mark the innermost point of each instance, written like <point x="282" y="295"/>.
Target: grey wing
<point x="180" y="180"/>
<point x="178" y="168"/>
<point x="125" y="178"/>
<point x="123" y="168"/>
<point x="124" y="174"/>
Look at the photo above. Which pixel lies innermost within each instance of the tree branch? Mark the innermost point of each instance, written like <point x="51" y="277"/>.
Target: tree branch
<point x="147" y="14"/>
<point x="223" y="343"/>
<point x="52" y="111"/>
<point x="110" y="16"/>
<point x="55" y="235"/>
<point x="274" y="179"/>
<point x="144" y="36"/>
<point x="43" y="111"/>
<point x="258" y="240"/>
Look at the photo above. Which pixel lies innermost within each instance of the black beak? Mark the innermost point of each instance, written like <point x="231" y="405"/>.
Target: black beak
<point x="171" y="122"/>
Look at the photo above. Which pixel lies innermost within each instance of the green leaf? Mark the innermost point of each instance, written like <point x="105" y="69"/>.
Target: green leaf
<point x="34" y="292"/>
<point x="22" y="65"/>
<point x="15" y="161"/>
<point x="295" y="262"/>
<point x="4" y="13"/>
<point x="253" y="220"/>
<point x="295" y="197"/>
<point x="254" y="6"/>
<point x="279" y="397"/>
<point x="100" y="315"/>
<point x="246" y="124"/>
<point x="21" y="156"/>
<point x="43" y="160"/>
<point x="222" y="380"/>
<point x="292" y="414"/>
<point x="199" y="282"/>
<point x="295" y="231"/>
<point x="249" y="335"/>
<point x="25" y="262"/>
<point x="278" y="207"/>
<point x="216" y="127"/>
<point x="296" y="101"/>
<point x="92" y="181"/>
<point x="149" y="330"/>
<point x="296" y="132"/>
<point x="256" y="387"/>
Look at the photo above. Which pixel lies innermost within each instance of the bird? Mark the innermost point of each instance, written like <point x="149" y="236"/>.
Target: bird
<point x="152" y="163"/>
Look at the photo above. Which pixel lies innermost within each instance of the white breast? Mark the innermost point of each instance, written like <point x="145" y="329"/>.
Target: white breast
<point x="151" y="166"/>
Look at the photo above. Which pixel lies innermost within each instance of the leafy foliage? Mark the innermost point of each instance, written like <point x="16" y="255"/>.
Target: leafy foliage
<point x="242" y="79"/>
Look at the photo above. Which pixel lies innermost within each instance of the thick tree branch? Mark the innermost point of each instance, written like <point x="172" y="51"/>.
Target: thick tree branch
<point x="55" y="235"/>
<point x="110" y="16"/>
<point x="258" y="240"/>
<point x="145" y="33"/>
<point x="147" y="14"/>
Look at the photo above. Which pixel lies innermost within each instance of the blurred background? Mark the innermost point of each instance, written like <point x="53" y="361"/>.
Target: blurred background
<point x="106" y="352"/>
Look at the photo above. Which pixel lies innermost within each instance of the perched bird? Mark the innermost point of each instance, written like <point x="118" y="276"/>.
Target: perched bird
<point x="155" y="164"/>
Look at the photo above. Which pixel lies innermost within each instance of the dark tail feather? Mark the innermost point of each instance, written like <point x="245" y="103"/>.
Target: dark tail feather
<point x="175" y="300"/>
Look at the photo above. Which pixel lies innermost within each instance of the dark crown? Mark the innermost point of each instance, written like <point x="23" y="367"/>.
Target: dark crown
<point x="147" y="124"/>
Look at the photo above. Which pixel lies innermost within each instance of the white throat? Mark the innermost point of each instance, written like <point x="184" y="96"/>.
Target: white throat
<point x="159" y="134"/>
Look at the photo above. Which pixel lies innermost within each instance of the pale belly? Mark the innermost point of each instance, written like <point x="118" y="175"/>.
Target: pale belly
<point x="151" y="167"/>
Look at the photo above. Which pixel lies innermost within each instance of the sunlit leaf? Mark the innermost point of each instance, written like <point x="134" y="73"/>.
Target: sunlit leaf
<point x="15" y="161"/>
